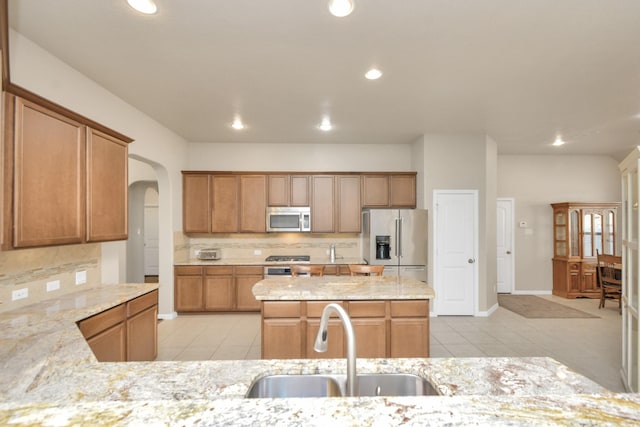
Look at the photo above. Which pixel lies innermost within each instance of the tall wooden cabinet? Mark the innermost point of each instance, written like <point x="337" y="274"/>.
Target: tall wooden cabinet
<point x="579" y="230"/>
<point x="630" y="236"/>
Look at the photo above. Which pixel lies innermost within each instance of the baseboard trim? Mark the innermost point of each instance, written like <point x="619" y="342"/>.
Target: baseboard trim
<point x="168" y="316"/>
<point x="489" y="312"/>
<point x="519" y="292"/>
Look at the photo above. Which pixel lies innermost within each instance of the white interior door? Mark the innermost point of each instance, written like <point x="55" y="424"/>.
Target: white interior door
<point x="504" y="239"/>
<point x="455" y="241"/>
<point x="151" y="246"/>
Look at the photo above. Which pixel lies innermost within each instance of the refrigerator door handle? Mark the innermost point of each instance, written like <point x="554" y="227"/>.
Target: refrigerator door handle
<point x="399" y="237"/>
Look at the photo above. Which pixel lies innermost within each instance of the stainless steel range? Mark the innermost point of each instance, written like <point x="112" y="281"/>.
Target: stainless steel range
<point x="283" y="270"/>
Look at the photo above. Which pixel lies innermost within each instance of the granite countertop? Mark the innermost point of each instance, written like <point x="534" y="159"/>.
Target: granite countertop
<point x="342" y="288"/>
<point x="48" y="375"/>
<point x="261" y="261"/>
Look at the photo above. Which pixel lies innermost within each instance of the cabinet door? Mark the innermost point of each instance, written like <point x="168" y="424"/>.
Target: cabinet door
<point x="370" y="337"/>
<point x="246" y="278"/>
<point x="224" y="207"/>
<point x="335" y="337"/>
<point x="189" y="292"/>
<point x="409" y="337"/>
<point x="196" y="204"/>
<point x="253" y="203"/>
<point x="278" y="194"/>
<point x="142" y="335"/>
<point x="323" y="204"/>
<point x="299" y="193"/>
<point x="402" y="191"/>
<point x="107" y="183"/>
<point x="218" y="293"/>
<point x="375" y="191"/>
<point x="110" y="345"/>
<point x="589" y="279"/>
<point x="49" y="196"/>
<point x="349" y="208"/>
<point x="281" y="339"/>
<point x="575" y="278"/>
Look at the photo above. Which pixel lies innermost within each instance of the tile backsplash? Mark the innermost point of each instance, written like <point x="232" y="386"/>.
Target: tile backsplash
<point x="33" y="268"/>
<point x="259" y="246"/>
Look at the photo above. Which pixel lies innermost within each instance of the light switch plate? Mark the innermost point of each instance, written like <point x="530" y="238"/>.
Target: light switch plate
<point x="81" y="277"/>
<point x="19" y="294"/>
<point x="54" y="285"/>
<point x="257" y="252"/>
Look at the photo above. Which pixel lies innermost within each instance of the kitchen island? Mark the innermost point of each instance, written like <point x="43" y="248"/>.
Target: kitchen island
<point x="49" y="376"/>
<point x="390" y="315"/>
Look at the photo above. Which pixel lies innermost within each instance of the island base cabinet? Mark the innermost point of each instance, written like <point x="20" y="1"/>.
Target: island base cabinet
<point x="382" y="329"/>
<point x="142" y="335"/>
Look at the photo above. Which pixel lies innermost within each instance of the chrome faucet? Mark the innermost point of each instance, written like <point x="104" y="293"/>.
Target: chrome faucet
<point x="320" y="344"/>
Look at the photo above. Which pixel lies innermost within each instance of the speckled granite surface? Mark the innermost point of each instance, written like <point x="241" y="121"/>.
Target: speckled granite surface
<point x="48" y="376"/>
<point x="342" y="288"/>
<point x="261" y="261"/>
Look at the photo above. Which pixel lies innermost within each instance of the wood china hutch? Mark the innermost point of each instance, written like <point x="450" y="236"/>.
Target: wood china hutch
<point x="579" y="229"/>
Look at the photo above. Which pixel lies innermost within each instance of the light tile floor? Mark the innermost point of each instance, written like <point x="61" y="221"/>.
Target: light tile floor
<point x="590" y="346"/>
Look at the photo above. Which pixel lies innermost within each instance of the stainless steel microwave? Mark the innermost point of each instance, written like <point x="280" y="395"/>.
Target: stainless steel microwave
<point x="289" y="220"/>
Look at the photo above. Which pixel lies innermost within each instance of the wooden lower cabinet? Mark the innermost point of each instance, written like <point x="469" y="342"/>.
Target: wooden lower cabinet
<point x="382" y="329"/>
<point x="572" y="279"/>
<point x="216" y="288"/>
<point x="126" y="332"/>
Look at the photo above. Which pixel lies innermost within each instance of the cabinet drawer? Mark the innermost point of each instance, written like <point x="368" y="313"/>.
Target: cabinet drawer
<point x="218" y="271"/>
<point x="281" y="309"/>
<point x="135" y="306"/>
<point x="188" y="271"/>
<point x="314" y="308"/>
<point x="367" y="308"/>
<point x="419" y="308"/>
<point x="248" y="270"/>
<point x="102" y="321"/>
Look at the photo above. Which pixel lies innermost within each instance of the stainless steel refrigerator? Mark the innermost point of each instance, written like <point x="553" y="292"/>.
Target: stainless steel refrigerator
<point x="397" y="239"/>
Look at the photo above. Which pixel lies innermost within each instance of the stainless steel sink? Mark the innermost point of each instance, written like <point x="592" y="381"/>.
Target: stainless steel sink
<point x="295" y="386"/>
<point x="394" y="385"/>
<point x="335" y="386"/>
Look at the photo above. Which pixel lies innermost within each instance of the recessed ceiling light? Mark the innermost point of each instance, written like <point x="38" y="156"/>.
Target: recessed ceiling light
<point x="340" y="8"/>
<point x="148" y="7"/>
<point x="558" y="142"/>
<point x="237" y="124"/>
<point x="325" y="125"/>
<point x="373" y="74"/>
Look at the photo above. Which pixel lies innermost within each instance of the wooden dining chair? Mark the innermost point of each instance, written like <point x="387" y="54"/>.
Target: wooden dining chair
<point x="304" y="269"/>
<point x="366" y="270"/>
<point x="609" y="268"/>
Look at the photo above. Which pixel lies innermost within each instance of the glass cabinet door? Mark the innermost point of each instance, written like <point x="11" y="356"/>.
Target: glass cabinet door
<point x="608" y="229"/>
<point x="560" y="233"/>
<point x="574" y="223"/>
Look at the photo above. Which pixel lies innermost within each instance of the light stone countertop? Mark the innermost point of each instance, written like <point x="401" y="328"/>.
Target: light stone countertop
<point x="49" y="376"/>
<point x="261" y="261"/>
<point x="342" y="288"/>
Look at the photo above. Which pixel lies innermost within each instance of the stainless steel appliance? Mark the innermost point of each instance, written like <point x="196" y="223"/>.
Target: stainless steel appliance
<point x="397" y="239"/>
<point x="283" y="270"/>
<point x="209" y="254"/>
<point x="289" y="219"/>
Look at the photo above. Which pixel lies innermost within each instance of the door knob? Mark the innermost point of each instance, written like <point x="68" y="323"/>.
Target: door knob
<point x="508" y="252"/>
<point x="471" y="260"/>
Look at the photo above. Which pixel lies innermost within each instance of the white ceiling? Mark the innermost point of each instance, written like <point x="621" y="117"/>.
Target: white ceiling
<point x="520" y="71"/>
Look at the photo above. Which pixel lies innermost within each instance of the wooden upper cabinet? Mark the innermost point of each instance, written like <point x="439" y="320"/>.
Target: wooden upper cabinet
<point x="323" y="204"/>
<point x="49" y="192"/>
<point x="402" y="191"/>
<point x="389" y="190"/>
<point x="348" y="206"/>
<point x="224" y="203"/>
<point x="196" y="203"/>
<point x="107" y="186"/>
<point x="375" y="191"/>
<point x="253" y="199"/>
<point x="288" y="190"/>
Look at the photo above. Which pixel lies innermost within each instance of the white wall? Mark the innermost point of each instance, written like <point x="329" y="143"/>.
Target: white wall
<point x="300" y="157"/>
<point x="36" y="70"/>
<point x="537" y="181"/>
